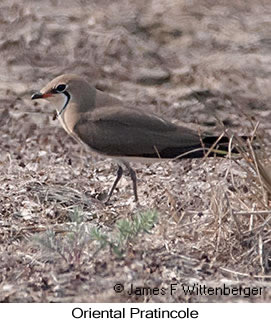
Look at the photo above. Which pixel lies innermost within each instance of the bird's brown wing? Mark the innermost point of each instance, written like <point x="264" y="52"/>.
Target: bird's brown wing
<point x="117" y="131"/>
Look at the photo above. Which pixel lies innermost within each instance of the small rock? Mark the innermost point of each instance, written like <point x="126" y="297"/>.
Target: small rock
<point x="151" y="76"/>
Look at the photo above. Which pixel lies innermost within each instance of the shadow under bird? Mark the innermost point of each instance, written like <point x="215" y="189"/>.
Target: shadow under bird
<point x="109" y="128"/>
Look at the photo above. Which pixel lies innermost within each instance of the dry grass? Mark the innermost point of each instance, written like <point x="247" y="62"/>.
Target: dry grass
<point x="205" y="64"/>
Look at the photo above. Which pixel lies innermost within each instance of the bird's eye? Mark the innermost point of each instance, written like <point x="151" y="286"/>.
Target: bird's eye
<point x="61" y="88"/>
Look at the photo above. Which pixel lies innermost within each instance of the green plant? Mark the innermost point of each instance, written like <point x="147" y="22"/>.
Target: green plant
<point x="127" y="231"/>
<point x="77" y="236"/>
<point x="70" y="246"/>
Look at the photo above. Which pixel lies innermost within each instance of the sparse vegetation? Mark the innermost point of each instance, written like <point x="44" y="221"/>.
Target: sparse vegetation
<point x="127" y="232"/>
<point x="71" y="243"/>
<point x="78" y="234"/>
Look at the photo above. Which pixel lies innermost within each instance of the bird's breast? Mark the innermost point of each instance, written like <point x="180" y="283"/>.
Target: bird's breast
<point x="65" y="124"/>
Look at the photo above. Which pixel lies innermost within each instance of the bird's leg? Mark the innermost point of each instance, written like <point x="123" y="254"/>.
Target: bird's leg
<point x="133" y="177"/>
<point x="119" y="175"/>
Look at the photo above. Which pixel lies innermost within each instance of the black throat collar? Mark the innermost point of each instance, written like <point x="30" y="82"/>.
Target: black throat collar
<point x="68" y="97"/>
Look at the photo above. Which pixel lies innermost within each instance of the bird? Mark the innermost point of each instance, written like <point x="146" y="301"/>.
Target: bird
<point x="107" y="126"/>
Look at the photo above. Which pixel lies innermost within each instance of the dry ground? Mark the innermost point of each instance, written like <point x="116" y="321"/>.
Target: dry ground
<point x="202" y="62"/>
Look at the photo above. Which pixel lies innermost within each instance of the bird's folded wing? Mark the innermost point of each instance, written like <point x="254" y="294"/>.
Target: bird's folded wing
<point x="117" y="131"/>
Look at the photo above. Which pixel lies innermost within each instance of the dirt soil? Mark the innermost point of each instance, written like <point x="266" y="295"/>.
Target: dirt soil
<point x="202" y="63"/>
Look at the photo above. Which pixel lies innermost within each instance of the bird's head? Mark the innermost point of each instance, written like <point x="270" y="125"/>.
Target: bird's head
<point x="65" y="89"/>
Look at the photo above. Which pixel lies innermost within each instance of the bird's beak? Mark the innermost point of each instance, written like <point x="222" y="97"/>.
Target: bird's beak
<point x="39" y="95"/>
